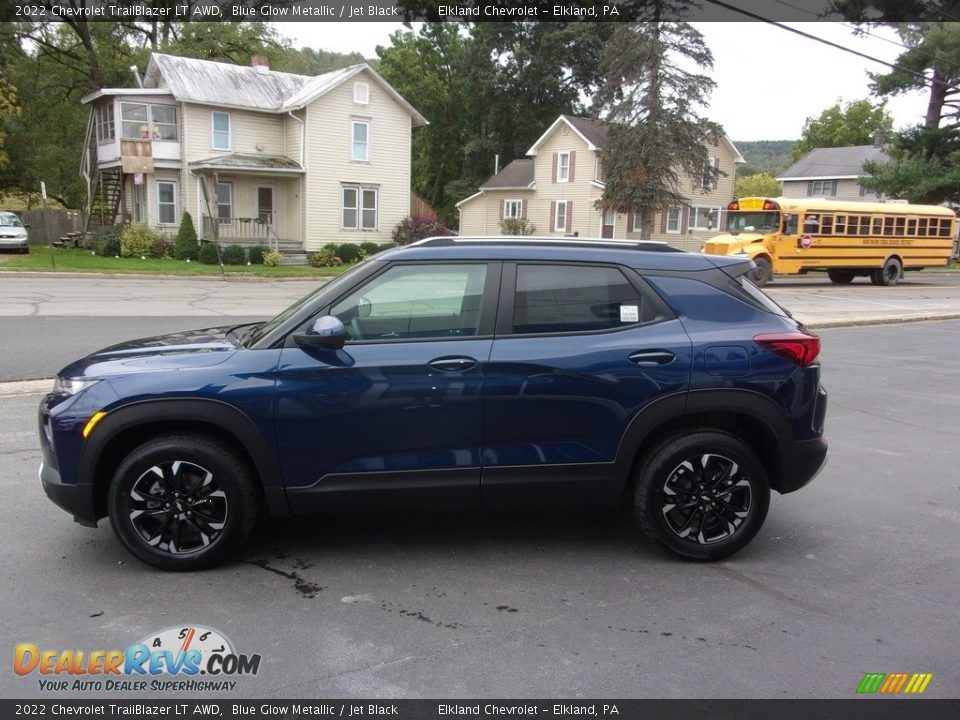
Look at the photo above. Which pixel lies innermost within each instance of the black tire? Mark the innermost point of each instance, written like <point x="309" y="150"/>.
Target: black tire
<point x="889" y="275"/>
<point x="763" y="273"/>
<point x="677" y="466"/>
<point x="841" y="277"/>
<point x="156" y="492"/>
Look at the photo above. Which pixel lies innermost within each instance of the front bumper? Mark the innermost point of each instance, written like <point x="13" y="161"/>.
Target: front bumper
<point x="75" y="499"/>
<point x="8" y="243"/>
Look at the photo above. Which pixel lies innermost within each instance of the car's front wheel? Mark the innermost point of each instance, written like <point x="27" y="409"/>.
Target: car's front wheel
<point x="181" y="502"/>
<point x="702" y="496"/>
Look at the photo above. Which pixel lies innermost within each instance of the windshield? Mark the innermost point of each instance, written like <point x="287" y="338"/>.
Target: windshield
<point x="8" y="220"/>
<point x="752" y="221"/>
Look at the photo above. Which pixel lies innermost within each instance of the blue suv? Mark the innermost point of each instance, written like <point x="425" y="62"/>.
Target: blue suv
<point x="453" y="372"/>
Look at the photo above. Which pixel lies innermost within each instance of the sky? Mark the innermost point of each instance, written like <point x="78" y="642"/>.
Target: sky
<point x="769" y="80"/>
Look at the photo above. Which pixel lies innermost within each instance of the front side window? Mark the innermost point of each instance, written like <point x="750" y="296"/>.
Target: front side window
<point x="563" y="167"/>
<point x="166" y="202"/>
<point x="575" y="298"/>
<point x="220" y="131"/>
<point x="415" y="301"/>
<point x="703" y="218"/>
<point x="225" y="203"/>
<point x="361" y="141"/>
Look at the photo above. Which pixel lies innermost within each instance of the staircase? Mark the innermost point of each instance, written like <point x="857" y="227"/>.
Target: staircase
<point x="105" y="201"/>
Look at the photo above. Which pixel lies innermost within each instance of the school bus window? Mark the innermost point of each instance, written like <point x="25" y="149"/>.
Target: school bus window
<point x="864" y="224"/>
<point x="888" y="226"/>
<point x="911" y="226"/>
<point x="840" y="224"/>
<point x="877" y="225"/>
<point x="945" y="227"/>
<point x="852" y="227"/>
<point x="901" y="223"/>
<point x="826" y="224"/>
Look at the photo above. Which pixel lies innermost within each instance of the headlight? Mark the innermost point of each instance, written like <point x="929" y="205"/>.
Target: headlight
<point x="71" y="386"/>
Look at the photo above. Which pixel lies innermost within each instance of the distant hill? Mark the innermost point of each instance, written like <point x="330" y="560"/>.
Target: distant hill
<point x="772" y="156"/>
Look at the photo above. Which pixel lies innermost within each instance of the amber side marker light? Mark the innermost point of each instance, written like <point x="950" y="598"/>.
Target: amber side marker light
<point x="92" y="423"/>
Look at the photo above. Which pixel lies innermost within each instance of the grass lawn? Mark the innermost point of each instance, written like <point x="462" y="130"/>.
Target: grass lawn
<point x="73" y="260"/>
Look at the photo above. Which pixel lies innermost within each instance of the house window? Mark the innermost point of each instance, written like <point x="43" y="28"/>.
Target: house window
<point x="163" y="122"/>
<point x="139" y="202"/>
<point x="709" y="179"/>
<point x="225" y="203"/>
<point x="104" y="119"/>
<point x="220" y="131"/>
<point x="166" y="202"/>
<point x="560" y="217"/>
<point x="703" y="218"/>
<point x="360" y="132"/>
<point x="563" y="167"/>
<point x="821" y="188"/>
<point x="673" y="220"/>
<point x="359" y="207"/>
<point x="513" y="209"/>
<point x="637" y="222"/>
<point x="134" y="121"/>
<point x="361" y="93"/>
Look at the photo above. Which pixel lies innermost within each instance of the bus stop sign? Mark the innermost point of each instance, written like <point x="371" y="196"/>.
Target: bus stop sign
<point x="806" y="241"/>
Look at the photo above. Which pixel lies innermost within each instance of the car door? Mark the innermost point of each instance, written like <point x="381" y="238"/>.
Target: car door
<point x="581" y="349"/>
<point x="395" y="417"/>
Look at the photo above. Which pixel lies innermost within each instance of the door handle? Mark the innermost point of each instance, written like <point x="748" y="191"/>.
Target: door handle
<point x="652" y="357"/>
<point x="453" y="364"/>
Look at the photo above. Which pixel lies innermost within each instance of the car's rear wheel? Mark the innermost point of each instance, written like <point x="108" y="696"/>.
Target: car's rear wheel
<point x="702" y="495"/>
<point x="181" y="502"/>
<point x="889" y="274"/>
<point x="841" y="277"/>
<point x="763" y="273"/>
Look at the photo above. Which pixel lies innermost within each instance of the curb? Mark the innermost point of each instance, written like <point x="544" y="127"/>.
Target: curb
<point x="888" y="320"/>
<point x="25" y="387"/>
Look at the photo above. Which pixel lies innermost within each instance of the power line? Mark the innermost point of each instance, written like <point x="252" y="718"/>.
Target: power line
<point x="939" y="11"/>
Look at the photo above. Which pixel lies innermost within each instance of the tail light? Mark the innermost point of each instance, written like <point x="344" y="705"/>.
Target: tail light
<point x="801" y="348"/>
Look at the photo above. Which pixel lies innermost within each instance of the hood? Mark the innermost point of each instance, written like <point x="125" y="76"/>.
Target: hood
<point x="12" y="231"/>
<point x="190" y="349"/>
<point x="728" y="244"/>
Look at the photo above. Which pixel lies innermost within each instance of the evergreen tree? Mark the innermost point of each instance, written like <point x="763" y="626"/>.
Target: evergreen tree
<point x="185" y="247"/>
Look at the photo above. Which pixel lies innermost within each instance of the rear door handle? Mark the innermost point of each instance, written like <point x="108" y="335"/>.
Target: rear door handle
<point x="652" y="357"/>
<point x="453" y="364"/>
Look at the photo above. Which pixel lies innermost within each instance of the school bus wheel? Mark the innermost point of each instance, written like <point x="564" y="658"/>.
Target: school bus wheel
<point x="889" y="274"/>
<point x="841" y="277"/>
<point x="763" y="272"/>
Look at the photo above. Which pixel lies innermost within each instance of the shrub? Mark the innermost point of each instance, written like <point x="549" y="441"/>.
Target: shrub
<point x="106" y="241"/>
<point x="208" y="254"/>
<point x="255" y="254"/>
<point x="327" y="257"/>
<point x="369" y="248"/>
<point x="186" y="247"/>
<point x="233" y="255"/>
<point x="348" y="252"/>
<point x="413" y="228"/>
<point x="386" y="246"/>
<point x="517" y="226"/>
<point x="137" y="241"/>
<point x="162" y="247"/>
<point x="271" y="258"/>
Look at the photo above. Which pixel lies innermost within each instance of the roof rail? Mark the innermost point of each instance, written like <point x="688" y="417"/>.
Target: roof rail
<point x="448" y="241"/>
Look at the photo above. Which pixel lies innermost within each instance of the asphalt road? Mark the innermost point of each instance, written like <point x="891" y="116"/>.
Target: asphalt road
<point x="856" y="573"/>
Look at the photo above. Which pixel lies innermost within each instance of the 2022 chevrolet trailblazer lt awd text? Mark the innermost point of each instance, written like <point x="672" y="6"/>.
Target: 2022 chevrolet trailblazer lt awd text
<point x="453" y="372"/>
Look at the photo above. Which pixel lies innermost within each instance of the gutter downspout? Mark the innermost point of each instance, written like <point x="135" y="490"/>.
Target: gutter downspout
<point x="303" y="153"/>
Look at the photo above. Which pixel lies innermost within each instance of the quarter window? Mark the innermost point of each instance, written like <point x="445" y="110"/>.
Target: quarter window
<point x="575" y="298"/>
<point x="166" y="203"/>
<point x="221" y="131"/>
<point x="361" y="141"/>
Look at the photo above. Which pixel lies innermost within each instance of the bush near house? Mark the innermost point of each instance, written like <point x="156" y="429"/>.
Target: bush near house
<point x="271" y="258"/>
<point x="186" y="245"/>
<point x="106" y="241"/>
<point x="413" y="228"/>
<point x="327" y="257"/>
<point x="208" y="254"/>
<point x="137" y="241"/>
<point x="349" y="253"/>
<point x="233" y="255"/>
<point x="517" y="226"/>
<point x="255" y="254"/>
<point x="370" y="248"/>
<point x="163" y="247"/>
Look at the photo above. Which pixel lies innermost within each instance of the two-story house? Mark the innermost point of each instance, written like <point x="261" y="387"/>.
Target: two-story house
<point x="252" y="154"/>
<point x="557" y="187"/>
<point x="833" y="172"/>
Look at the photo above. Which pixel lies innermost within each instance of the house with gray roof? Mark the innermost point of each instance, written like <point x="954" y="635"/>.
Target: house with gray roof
<point x="556" y="187"/>
<point x="254" y="155"/>
<point x="833" y="172"/>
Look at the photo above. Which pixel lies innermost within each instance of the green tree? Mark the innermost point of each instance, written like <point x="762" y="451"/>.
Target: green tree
<point x="759" y="185"/>
<point x="924" y="167"/>
<point x="839" y="126"/>
<point x="186" y="245"/>
<point x="654" y="103"/>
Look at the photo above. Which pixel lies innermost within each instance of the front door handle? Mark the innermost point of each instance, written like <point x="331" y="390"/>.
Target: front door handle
<point x="652" y="357"/>
<point x="453" y="364"/>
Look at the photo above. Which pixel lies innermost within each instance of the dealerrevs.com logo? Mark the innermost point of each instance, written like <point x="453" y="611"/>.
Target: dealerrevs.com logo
<point x="181" y="659"/>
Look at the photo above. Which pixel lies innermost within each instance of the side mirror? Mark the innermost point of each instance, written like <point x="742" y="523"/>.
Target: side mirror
<point x="326" y="333"/>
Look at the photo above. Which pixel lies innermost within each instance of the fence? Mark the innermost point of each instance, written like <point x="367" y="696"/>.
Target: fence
<point x="59" y="222"/>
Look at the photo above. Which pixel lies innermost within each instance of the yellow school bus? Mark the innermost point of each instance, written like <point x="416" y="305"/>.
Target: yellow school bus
<point x="790" y="236"/>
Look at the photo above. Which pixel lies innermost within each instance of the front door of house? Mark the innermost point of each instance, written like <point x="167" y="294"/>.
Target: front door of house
<point x="266" y="210"/>
<point x="609" y="218"/>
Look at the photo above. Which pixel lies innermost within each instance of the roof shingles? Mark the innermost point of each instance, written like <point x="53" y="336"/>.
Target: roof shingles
<point x="839" y="162"/>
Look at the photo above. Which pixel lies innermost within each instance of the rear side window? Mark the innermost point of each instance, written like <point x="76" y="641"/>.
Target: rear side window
<point x="575" y="298"/>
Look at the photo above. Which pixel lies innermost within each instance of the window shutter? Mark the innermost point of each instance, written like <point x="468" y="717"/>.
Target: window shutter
<point x="663" y="219"/>
<point x="573" y="163"/>
<point x="523" y="209"/>
<point x="630" y="222"/>
<point x="554" y="176"/>
<point x="553" y="211"/>
<point x="569" y="216"/>
<point x="502" y="202"/>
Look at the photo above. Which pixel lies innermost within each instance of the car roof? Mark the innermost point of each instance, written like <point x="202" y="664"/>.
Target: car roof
<point x="636" y="254"/>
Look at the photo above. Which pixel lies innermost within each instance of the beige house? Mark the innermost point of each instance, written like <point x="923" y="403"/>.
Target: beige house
<point x="556" y="188"/>
<point x="252" y="154"/>
<point x="833" y="172"/>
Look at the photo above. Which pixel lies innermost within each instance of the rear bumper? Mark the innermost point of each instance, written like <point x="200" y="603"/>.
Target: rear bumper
<point x="801" y="464"/>
<point x="75" y="499"/>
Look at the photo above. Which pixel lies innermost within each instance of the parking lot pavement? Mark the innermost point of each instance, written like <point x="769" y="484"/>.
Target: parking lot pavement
<point x="855" y="573"/>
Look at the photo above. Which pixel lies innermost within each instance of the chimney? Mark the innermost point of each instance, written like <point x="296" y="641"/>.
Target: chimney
<point x="878" y="138"/>
<point x="260" y="63"/>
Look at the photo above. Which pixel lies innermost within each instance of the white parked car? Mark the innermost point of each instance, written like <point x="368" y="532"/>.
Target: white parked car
<point x="13" y="233"/>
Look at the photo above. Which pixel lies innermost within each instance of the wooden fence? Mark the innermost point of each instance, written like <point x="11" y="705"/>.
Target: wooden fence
<point x="56" y="225"/>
